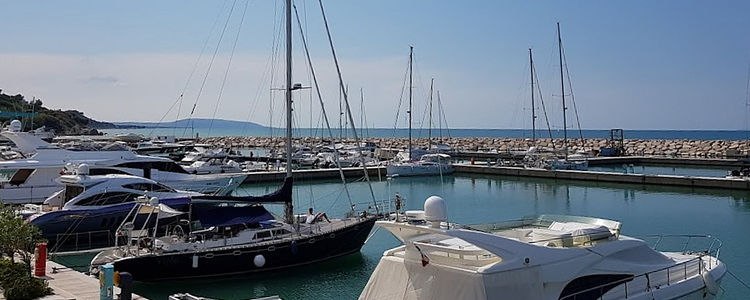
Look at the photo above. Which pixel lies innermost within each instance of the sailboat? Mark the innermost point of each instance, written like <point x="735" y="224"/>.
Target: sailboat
<point x="566" y="163"/>
<point x="239" y="245"/>
<point x="427" y="163"/>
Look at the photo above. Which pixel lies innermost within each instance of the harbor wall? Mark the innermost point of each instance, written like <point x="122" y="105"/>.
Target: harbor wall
<point x="639" y="147"/>
<point x="375" y="173"/>
<point x="671" y="180"/>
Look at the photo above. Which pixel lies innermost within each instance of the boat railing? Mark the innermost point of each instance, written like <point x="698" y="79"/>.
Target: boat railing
<point x="687" y="243"/>
<point x="82" y="240"/>
<point x="634" y="286"/>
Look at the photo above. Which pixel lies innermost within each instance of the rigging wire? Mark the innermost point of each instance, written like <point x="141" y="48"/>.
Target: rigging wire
<point x="341" y="84"/>
<point x="544" y="107"/>
<point x="323" y="109"/>
<point x="208" y="70"/>
<point x="229" y="64"/>
<point x="180" y="97"/>
<point x="268" y="71"/>
<point x="572" y="96"/>
<point x="401" y="97"/>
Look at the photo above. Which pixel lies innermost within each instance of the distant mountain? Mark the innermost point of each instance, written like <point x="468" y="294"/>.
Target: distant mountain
<point x="196" y="123"/>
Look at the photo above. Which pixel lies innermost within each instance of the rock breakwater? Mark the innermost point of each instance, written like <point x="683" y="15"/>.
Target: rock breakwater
<point x="671" y="148"/>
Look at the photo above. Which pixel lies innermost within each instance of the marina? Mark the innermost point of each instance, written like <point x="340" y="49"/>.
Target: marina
<point x="300" y="153"/>
<point x="643" y="210"/>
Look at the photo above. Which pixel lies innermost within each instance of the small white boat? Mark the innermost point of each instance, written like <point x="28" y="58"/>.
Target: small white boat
<point x="545" y="257"/>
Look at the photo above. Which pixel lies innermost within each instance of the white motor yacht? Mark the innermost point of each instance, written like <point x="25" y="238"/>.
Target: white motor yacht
<point x="33" y="179"/>
<point x="545" y="257"/>
<point x="429" y="164"/>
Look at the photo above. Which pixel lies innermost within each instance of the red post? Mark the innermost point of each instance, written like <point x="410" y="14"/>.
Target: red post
<point x="472" y="160"/>
<point x="40" y="256"/>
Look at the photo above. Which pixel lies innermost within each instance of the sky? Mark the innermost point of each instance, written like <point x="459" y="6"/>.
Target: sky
<point x="632" y="64"/>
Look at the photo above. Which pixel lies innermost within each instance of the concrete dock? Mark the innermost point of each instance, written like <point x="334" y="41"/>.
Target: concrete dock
<point x="660" y="160"/>
<point x="71" y="284"/>
<point x="315" y="174"/>
<point x="671" y="180"/>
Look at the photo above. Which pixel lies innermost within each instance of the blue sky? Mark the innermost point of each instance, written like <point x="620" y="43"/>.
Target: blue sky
<point x="635" y="64"/>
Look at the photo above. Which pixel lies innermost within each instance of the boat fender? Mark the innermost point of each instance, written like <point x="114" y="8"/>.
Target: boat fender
<point x="293" y="247"/>
<point x="195" y="261"/>
<point x="712" y="286"/>
<point x="259" y="260"/>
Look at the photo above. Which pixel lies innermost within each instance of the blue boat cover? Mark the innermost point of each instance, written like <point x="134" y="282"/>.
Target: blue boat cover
<point x="282" y="195"/>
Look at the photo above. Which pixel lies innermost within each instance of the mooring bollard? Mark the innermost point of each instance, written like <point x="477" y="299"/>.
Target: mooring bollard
<point x="40" y="257"/>
<point x="106" y="282"/>
<point x="125" y="283"/>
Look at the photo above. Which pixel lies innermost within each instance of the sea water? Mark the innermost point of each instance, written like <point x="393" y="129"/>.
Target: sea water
<point x="643" y="210"/>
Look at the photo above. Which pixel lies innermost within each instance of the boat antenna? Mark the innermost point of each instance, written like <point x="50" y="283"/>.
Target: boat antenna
<point x="411" y="61"/>
<point x="289" y="207"/>
<point x="562" y="88"/>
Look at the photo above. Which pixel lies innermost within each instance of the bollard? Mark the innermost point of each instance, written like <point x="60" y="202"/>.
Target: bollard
<point x="106" y="282"/>
<point x="126" y="286"/>
<point x="40" y="257"/>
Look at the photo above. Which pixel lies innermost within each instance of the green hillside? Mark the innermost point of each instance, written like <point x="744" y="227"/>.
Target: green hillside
<point x="64" y="122"/>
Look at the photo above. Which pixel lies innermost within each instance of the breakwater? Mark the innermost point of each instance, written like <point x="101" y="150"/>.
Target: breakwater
<point x="660" y="147"/>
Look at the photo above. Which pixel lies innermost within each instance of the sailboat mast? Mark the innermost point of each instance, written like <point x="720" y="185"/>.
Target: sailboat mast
<point x="429" y="128"/>
<point x="562" y="90"/>
<point x="440" y="118"/>
<point x="288" y="207"/>
<point x="411" y="57"/>
<point x="533" y="111"/>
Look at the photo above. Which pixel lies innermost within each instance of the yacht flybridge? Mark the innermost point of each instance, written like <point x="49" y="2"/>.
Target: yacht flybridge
<point x="545" y="257"/>
<point x="33" y="179"/>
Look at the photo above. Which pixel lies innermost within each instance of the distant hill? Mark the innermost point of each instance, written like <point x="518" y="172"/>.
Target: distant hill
<point x="196" y="123"/>
<point x="64" y="122"/>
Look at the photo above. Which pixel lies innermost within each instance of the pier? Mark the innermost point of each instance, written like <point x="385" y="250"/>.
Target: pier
<point x="671" y="180"/>
<point x="70" y="284"/>
<point x="315" y="174"/>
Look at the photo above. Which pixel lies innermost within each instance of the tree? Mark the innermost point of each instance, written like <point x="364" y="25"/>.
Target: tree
<point x="17" y="236"/>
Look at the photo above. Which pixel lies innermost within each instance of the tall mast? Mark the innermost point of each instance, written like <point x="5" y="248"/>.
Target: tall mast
<point x="533" y="111"/>
<point x="288" y="207"/>
<point x="562" y="89"/>
<point x="341" y="113"/>
<point x="362" y="109"/>
<point x="411" y="57"/>
<point x="429" y="128"/>
<point x="440" y="117"/>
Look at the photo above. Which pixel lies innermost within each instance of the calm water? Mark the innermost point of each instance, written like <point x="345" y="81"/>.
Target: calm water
<point x="423" y="132"/>
<point x="643" y="210"/>
<point x="664" y="170"/>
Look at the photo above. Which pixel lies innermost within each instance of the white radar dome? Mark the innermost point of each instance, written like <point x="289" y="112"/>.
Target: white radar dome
<point x="83" y="169"/>
<point x="435" y="211"/>
<point x="15" y="126"/>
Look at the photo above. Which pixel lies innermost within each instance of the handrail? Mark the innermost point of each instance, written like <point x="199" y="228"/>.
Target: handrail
<point x="713" y="247"/>
<point x="647" y="277"/>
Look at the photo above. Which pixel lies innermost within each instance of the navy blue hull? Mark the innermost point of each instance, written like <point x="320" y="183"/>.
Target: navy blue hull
<point x="240" y="259"/>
